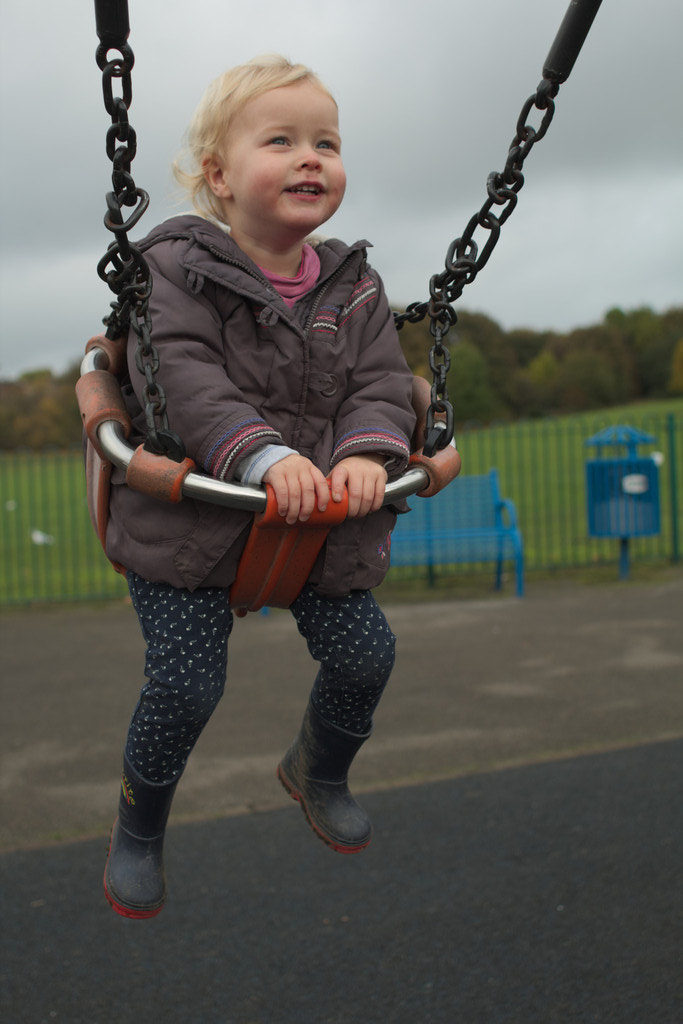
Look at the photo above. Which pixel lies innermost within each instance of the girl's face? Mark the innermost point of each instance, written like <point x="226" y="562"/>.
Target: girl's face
<point x="282" y="175"/>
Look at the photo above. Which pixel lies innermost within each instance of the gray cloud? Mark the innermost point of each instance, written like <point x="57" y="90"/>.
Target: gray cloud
<point x="429" y="96"/>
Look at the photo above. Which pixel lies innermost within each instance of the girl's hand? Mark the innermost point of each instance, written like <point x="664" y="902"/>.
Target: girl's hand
<point x="365" y="478"/>
<point x="298" y="484"/>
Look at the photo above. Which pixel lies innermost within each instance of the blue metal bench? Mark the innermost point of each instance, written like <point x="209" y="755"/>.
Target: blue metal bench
<point x="466" y="522"/>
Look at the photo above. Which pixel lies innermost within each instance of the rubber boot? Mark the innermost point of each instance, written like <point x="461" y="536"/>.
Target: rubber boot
<point x="134" y="878"/>
<point x="314" y="771"/>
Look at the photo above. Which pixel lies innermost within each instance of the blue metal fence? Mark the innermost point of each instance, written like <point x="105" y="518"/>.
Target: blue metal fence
<point x="49" y="553"/>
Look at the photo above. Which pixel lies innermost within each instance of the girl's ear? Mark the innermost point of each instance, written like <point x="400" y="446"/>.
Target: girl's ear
<point x="214" y="172"/>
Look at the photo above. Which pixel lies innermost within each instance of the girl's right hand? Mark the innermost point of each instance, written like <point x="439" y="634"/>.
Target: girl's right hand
<point x="298" y="486"/>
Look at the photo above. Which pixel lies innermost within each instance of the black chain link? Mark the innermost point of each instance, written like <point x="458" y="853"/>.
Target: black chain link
<point x="464" y="260"/>
<point x="123" y="267"/>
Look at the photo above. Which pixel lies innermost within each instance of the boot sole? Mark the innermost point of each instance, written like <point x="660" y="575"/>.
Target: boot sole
<point x="327" y="839"/>
<point x="132" y="913"/>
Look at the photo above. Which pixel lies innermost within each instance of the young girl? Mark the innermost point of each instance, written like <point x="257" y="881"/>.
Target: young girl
<point x="281" y="364"/>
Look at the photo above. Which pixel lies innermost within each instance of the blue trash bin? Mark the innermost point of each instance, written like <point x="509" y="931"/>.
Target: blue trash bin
<point x="622" y="493"/>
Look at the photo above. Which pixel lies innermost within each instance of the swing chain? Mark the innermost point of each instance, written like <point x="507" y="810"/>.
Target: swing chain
<point x="123" y="267"/>
<point x="439" y="432"/>
<point x="464" y="260"/>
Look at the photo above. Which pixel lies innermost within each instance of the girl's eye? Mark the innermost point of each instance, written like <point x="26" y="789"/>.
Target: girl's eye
<point x="279" y="140"/>
<point x="326" y="144"/>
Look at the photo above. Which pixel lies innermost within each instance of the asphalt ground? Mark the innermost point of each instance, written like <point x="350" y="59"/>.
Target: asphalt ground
<point x="525" y="784"/>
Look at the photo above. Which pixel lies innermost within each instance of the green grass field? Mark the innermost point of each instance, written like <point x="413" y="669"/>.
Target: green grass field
<point x="48" y="548"/>
<point x="49" y="552"/>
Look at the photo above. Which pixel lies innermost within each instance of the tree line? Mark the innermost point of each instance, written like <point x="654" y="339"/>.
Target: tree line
<point x="495" y="374"/>
<point x="499" y="375"/>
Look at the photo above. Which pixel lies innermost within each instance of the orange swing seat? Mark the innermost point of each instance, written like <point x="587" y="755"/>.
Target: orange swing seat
<point x="278" y="558"/>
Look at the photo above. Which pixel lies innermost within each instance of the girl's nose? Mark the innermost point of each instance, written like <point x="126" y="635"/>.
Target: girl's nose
<point x="310" y="158"/>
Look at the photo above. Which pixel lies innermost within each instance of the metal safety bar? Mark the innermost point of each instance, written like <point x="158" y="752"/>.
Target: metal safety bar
<point x="113" y="444"/>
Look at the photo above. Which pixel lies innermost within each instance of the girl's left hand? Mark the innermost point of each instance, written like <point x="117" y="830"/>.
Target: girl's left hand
<point x="365" y="478"/>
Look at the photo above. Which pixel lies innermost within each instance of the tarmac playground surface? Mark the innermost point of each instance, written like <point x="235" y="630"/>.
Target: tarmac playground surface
<point x="525" y="781"/>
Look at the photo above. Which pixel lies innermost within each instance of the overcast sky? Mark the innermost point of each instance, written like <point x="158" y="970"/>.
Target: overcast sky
<point x="429" y="93"/>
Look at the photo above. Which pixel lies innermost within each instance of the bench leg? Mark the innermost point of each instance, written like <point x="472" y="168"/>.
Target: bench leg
<point x="520" y="576"/>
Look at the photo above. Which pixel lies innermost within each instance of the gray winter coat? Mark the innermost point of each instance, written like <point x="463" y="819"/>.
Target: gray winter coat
<point x="240" y="369"/>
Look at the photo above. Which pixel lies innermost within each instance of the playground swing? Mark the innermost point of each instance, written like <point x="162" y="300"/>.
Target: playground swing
<point x="278" y="558"/>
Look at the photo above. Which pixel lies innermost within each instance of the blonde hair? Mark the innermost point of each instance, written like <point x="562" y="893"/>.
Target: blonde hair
<point x="210" y="124"/>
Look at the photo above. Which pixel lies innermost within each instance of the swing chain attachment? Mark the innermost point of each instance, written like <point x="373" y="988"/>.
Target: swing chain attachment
<point x="123" y="267"/>
<point x="463" y="259"/>
<point x="438" y="432"/>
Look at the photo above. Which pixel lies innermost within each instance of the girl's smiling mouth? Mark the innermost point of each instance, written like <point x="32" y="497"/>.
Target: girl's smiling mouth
<point x="306" y="189"/>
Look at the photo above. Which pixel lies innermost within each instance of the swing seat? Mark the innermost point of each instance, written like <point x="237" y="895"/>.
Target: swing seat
<point x="278" y="558"/>
<point x="100" y="401"/>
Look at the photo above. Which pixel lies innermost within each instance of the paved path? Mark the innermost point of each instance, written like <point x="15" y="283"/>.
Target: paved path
<point x="525" y="784"/>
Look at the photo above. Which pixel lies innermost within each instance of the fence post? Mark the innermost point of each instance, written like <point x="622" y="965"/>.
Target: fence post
<point x="671" y="431"/>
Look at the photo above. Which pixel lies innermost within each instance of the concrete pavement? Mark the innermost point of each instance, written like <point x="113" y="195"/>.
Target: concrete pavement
<point x="525" y="784"/>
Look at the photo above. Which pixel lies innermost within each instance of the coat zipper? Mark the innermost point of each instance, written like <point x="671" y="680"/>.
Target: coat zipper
<point x="318" y="298"/>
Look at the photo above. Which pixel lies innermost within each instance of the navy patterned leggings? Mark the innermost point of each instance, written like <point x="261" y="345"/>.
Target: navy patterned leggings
<point x="187" y="655"/>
